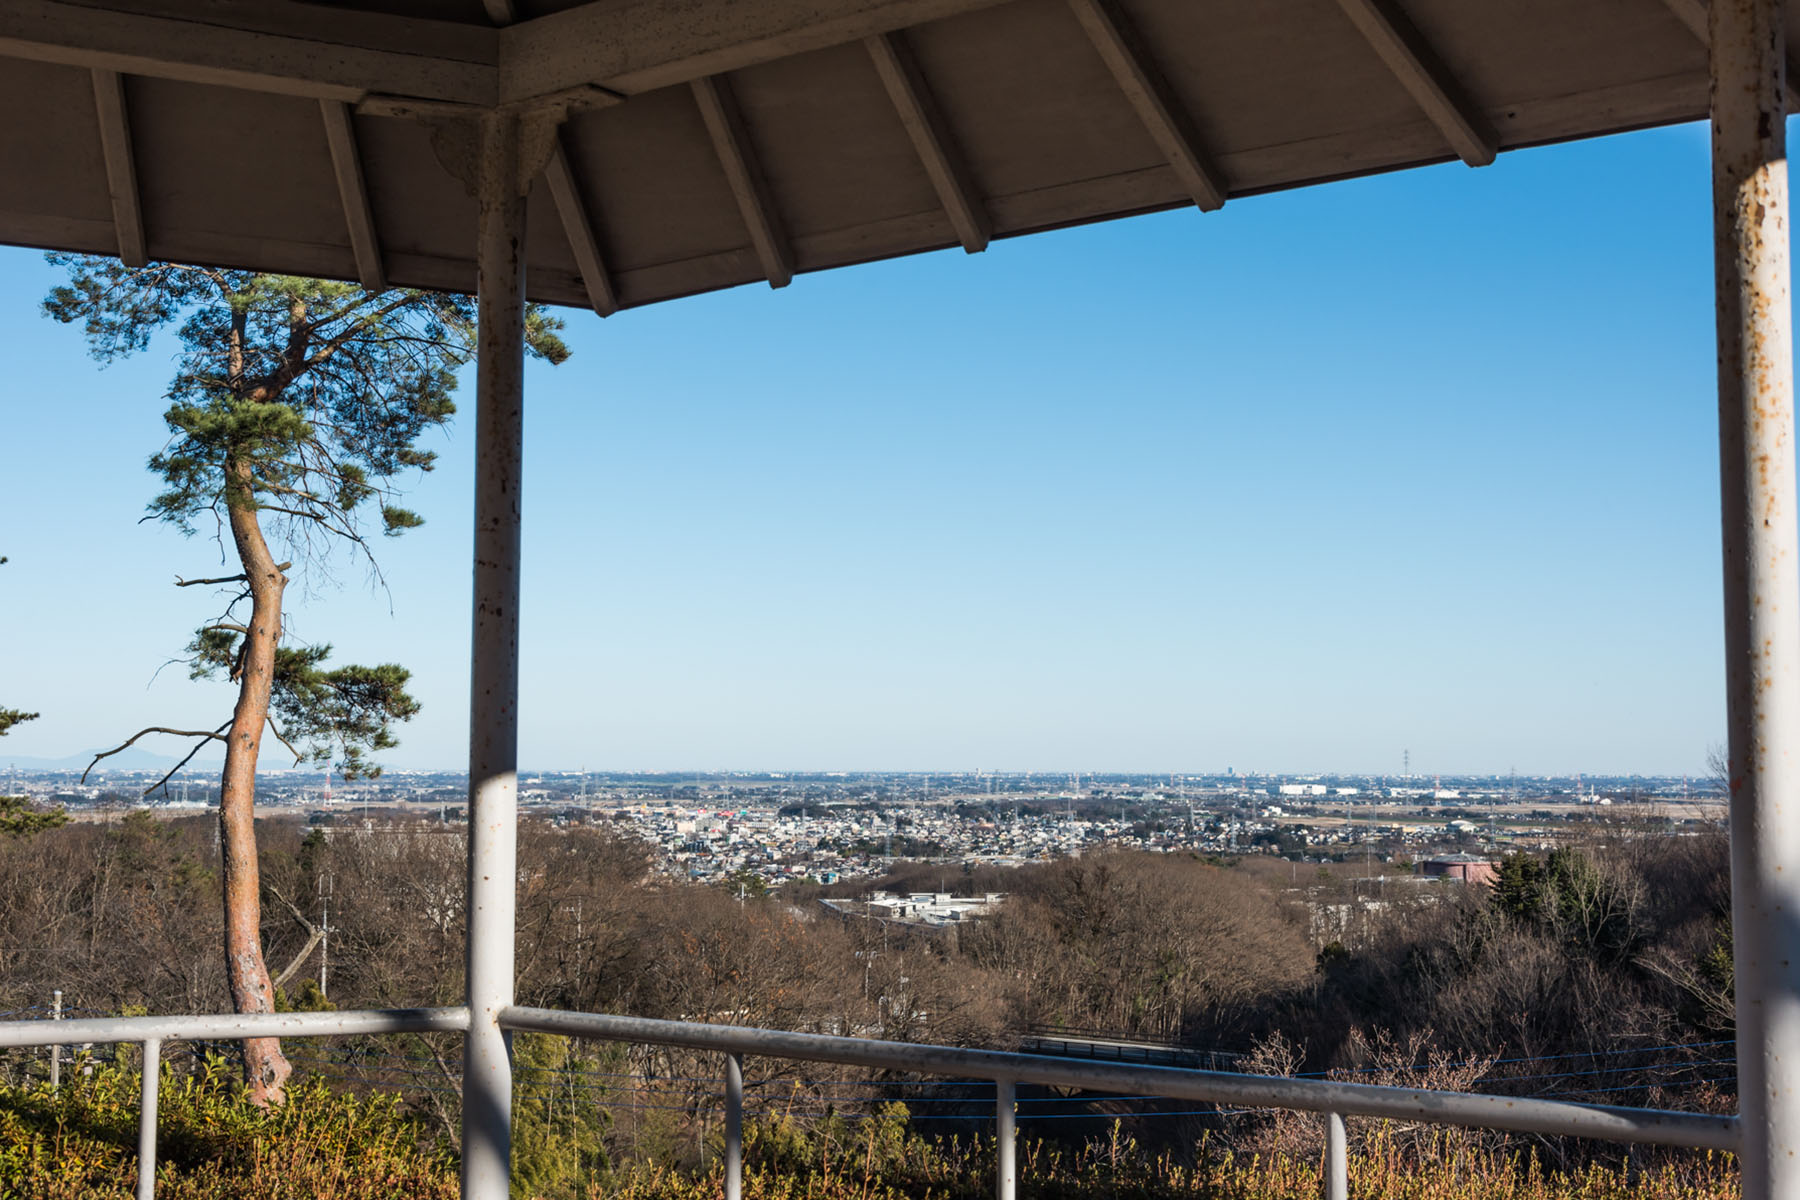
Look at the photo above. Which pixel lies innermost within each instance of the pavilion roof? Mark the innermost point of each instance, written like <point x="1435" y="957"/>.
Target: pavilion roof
<point x="711" y="143"/>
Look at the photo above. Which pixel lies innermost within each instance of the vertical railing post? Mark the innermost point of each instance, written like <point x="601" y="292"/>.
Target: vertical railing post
<point x="146" y="1189"/>
<point x="494" y="656"/>
<point x="55" y="1050"/>
<point x="1762" y="576"/>
<point x="734" y="1127"/>
<point x="1005" y="1139"/>
<point x="1337" y="1158"/>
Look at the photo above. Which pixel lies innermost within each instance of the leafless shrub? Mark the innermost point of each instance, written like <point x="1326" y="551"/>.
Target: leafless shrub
<point x="1414" y="1061"/>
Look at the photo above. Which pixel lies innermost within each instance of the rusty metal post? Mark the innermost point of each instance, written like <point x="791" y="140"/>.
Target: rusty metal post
<point x="494" y="659"/>
<point x="146" y="1186"/>
<point x="1762" y="577"/>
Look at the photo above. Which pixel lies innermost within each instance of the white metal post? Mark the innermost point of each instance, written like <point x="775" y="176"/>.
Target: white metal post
<point x="146" y="1187"/>
<point x="494" y="660"/>
<point x="1005" y="1139"/>
<point x="734" y="1127"/>
<point x="56" y="1051"/>
<point x="1337" y="1158"/>
<point x="1762" y="577"/>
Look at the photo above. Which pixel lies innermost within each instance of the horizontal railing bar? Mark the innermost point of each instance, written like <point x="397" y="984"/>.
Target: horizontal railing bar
<point x="233" y="1026"/>
<point x="1516" y="1113"/>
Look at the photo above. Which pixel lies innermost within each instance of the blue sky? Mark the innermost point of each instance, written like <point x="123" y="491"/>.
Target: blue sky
<point x="1424" y="461"/>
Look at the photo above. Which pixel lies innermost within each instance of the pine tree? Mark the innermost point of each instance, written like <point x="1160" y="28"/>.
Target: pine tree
<point x="18" y="817"/>
<point x="12" y="716"/>
<point x="296" y="406"/>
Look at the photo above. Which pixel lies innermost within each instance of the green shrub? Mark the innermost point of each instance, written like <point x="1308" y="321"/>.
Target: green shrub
<point x="881" y="1159"/>
<point x="80" y="1143"/>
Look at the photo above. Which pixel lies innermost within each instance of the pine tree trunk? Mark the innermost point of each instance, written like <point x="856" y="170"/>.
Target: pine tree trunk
<point x="247" y="975"/>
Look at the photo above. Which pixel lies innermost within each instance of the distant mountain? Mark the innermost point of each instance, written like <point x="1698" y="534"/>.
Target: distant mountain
<point x="132" y="759"/>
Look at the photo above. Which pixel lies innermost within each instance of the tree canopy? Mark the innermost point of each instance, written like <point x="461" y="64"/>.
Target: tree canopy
<point x="18" y="816"/>
<point x="299" y="398"/>
<point x="295" y="407"/>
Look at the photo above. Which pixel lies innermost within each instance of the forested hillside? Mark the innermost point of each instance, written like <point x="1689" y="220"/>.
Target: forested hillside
<point x="1600" y="971"/>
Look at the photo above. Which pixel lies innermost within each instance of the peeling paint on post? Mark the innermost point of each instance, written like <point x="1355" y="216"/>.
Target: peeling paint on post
<point x="1762" y="589"/>
<point x="494" y="658"/>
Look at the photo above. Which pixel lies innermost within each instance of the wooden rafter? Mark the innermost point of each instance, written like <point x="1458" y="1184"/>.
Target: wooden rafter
<point x="731" y="142"/>
<point x="291" y="49"/>
<point x="1156" y="105"/>
<point x="353" y="192"/>
<point x="1422" y="73"/>
<point x="580" y="231"/>
<point x="1692" y="13"/>
<point x="578" y="225"/>
<point x="344" y="52"/>
<point x="634" y="46"/>
<point x="121" y="167"/>
<point x="931" y="139"/>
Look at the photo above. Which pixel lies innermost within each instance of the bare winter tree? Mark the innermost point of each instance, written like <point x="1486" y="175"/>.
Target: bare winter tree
<point x="295" y="405"/>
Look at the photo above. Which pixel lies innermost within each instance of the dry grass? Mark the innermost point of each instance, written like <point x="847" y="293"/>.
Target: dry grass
<point x="79" y="1144"/>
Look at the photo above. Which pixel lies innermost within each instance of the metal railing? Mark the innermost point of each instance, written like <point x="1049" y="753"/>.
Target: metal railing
<point x="1332" y="1098"/>
<point x="151" y="1032"/>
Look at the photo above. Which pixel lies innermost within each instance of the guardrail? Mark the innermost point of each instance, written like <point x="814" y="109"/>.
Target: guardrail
<point x="151" y="1032"/>
<point x="1333" y="1099"/>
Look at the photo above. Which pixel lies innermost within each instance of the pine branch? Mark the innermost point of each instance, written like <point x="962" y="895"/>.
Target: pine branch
<point x="277" y="381"/>
<point x="180" y="582"/>
<point x="163" y="783"/>
<point x="282" y="738"/>
<point x="217" y="735"/>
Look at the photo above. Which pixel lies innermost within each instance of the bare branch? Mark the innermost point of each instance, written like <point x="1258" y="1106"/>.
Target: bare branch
<point x="164" y="781"/>
<point x="287" y="973"/>
<point x="213" y="735"/>
<point x="454" y="1080"/>
<point x="180" y="582"/>
<point x="282" y="738"/>
<point x="316" y="518"/>
<point x="293" y="908"/>
<point x="277" y="381"/>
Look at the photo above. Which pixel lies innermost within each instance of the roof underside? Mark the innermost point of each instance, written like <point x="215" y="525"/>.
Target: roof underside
<point x="711" y="143"/>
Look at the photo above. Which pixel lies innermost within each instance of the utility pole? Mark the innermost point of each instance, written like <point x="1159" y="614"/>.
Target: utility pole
<point x="324" y="930"/>
<point x="56" y="1051"/>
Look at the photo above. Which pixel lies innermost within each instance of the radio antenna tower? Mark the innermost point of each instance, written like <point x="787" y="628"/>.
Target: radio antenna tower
<point x="1406" y="764"/>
